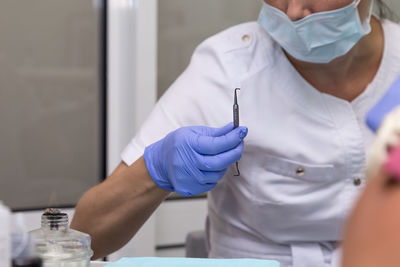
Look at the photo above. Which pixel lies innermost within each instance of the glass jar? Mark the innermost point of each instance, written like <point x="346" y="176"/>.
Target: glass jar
<point x="60" y="246"/>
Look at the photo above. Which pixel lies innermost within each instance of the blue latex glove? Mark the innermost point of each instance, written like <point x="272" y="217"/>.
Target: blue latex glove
<point x="387" y="103"/>
<point x="191" y="160"/>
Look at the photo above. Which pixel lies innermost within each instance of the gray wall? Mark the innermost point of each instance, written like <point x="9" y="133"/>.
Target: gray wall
<point x="48" y="101"/>
<point x="183" y="24"/>
<point x="394" y="5"/>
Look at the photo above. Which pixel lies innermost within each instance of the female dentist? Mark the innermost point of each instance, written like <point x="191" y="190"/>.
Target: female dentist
<point x="308" y="72"/>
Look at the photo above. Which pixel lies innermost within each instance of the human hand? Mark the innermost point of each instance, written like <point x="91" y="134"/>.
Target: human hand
<point x="385" y="105"/>
<point x="192" y="160"/>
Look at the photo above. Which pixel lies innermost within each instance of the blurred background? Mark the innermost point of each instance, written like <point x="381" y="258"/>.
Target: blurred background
<point x="77" y="79"/>
<point x="184" y="24"/>
<point x="49" y="101"/>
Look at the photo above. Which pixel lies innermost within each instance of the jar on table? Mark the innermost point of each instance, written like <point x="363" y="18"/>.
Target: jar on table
<point x="60" y="246"/>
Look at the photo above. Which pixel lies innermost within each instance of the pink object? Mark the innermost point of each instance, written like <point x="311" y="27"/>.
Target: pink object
<point x="392" y="164"/>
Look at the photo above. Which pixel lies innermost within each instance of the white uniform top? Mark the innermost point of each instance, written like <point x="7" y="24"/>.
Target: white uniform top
<point x="304" y="155"/>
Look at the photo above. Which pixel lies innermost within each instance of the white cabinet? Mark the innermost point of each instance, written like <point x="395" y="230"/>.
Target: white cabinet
<point x="164" y="234"/>
<point x="176" y="218"/>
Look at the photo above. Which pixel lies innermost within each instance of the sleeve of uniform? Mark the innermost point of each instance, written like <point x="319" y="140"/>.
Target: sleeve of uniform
<point x="198" y="97"/>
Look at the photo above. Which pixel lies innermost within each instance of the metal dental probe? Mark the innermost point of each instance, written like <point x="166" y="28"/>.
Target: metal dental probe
<point x="236" y="122"/>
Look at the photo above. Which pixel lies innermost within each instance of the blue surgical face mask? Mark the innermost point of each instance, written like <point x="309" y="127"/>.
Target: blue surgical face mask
<point x="319" y="37"/>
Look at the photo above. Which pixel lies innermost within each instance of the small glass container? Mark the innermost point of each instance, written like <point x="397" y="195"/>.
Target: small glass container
<point x="60" y="246"/>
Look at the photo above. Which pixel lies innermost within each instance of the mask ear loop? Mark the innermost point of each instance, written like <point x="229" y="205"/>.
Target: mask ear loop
<point x="371" y="8"/>
<point x="367" y="21"/>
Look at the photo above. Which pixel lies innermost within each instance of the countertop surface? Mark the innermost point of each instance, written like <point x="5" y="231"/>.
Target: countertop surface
<point x="98" y="263"/>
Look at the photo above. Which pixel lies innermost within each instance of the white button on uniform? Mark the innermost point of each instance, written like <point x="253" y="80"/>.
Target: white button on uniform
<point x="245" y="38"/>
<point x="300" y="171"/>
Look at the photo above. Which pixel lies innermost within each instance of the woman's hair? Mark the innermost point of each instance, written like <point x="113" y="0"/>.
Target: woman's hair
<point x="385" y="12"/>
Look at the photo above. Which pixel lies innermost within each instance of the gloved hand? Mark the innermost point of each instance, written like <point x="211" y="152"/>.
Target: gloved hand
<point x="191" y="160"/>
<point x="392" y="164"/>
<point x="384" y="106"/>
